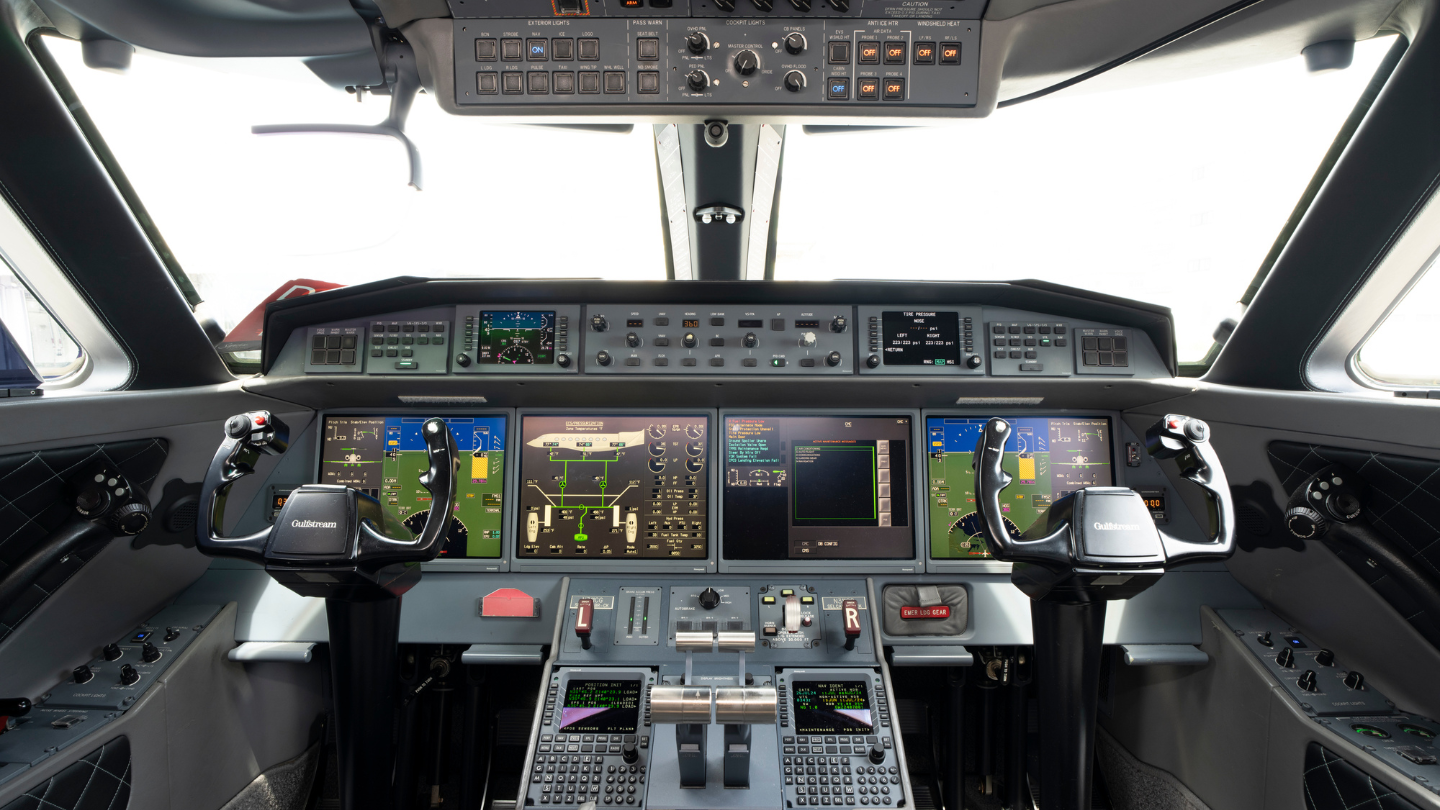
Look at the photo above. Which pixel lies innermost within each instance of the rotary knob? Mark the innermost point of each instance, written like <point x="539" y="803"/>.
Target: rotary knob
<point x="689" y="340"/>
<point x="630" y="753"/>
<point x="877" y="753"/>
<point x="746" y="62"/>
<point x="801" y="5"/>
<point x="1325" y="658"/>
<point x="697" y="42"/>
<point x="697" y="80"/>
<point x="841" y="6"/>
<point x="632" y="340"/>
<point x="832" y="359"/>
<point x="603" y="358"/>
<point x="128" y="675"/>
<point x="1354" y="680"/>
<point x="764" y="5"/>
<point x="873" y="361"/>
<point x="795" y="43"/>
<point x="794" y="81"/>
<point x="1306" y="523"/>
<point x="750" y="340"/>
<point x="1286" y="658"/>
<point x="807" y="339"/>
<point x="838" y="324"/>
<point x="562" y="360"/>
<point x="462" y="360"/>
<point x="149" y="653"/>
<point x="598" y="323"/>
<point x="112" y="652"/>
<point x="709" y="599"/>
<point x="974" y="361"/>
<point x="83" y="674"/>
<point x="1307" y="681"/>
<point x="132" y="518"/>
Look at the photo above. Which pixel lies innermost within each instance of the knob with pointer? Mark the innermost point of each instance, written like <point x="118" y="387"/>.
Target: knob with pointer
<point x="697" y="80"/>
<point x="697" y="42"/>
<point x="794" y="81"/>
<point x="746" y="62"/>
<point x="709" y="599"/>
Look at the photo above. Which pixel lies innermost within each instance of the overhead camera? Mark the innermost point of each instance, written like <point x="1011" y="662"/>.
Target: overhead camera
<point x="717" y="133"/>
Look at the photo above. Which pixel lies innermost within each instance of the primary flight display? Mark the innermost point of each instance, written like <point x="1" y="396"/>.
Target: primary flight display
<point x="383" y="456"/>
<point x="614" y="486"/>
<point x="1048" y="457"/>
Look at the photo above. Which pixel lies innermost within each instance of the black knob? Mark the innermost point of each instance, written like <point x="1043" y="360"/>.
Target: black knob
<point x="171" y="634"/>
<point x="1354" y="680"/>
<point x="746" y="62"/>
<point x="764" y="5"/>
<point x="832" y="359"/>
<point x="841" y="6"/>
<point x="150" y="653"/>
<point x="1325" y="658"/>
<point x="750" y="340"/>
<point x="562" y="360"/>
<point x="801" y="5"/>
<point x="1264" y="639"/>
<point x="1305" y="523"/>
<point x="132" y="518"/>
<point x="83" y="674"/>
<point x="697" y="80"/>
<point x="795" y="43"/>
<point x="603" y="358"/>
<point x="838" y="324"/>
<point x="709" y="599"/>
<point x="725" y="5"/>
<point x="794" y="81"/>
<point x="877" y="753"/>
<point x="688" y="340"/>
<point x="873" y="361"/>
<point x="14" y="707"/>
<point x="462" y="360"/>
<point x="128" y="675"/>
<point x="632" y="340"/>
<point x="697" y="42"/>
<point x="112" y="652"/>
<point x="630" y="753"/>
<point x="598" y="323"/>
<point x="974" y="361"/>
<point x="1286" y="658"/>
<point x="1307" y="680"/>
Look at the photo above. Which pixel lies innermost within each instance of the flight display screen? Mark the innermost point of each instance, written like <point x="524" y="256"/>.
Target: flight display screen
<point x="920" y="338"/>
<point x="817" y="487"/>
<point x="383" y="457"/>
<point x="614" y="486"/>
<point x="832" y="707"/>
<point x="516" y="339"/>
<point x="1048" y="458"/>
<point x="601" y="707"/>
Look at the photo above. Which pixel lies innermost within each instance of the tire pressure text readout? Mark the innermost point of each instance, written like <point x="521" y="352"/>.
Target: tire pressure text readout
<point x="614" y="486"/>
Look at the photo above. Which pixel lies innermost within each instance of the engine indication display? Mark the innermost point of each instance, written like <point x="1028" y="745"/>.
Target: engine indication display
<point x="817" y="487"/>
<point x="614" y="486"/>
<point x="921" y="338"/>
<point x="516" y="338"/>
<point x="383" y="457"/>
<point x="1047" y="457"/>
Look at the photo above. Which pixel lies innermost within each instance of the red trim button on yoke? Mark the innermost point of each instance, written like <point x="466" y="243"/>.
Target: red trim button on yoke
<point x="584" y="621"/>
<point x="850" y="609"/>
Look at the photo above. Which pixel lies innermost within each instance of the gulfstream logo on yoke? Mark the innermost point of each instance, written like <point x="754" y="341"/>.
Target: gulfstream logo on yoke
<point x="1116" y="527"/>
<point x="313" y="524"/>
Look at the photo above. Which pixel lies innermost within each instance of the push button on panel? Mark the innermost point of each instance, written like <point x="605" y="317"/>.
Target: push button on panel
<point x="924" y="53"/>
<point x="837" y="88"/>
<point x="564" y="81"/>
<point x="589" y="81"/>
<point x="894" y="53"/>
<point x="614" y="81"/>
<point x="869" y="53"/>
<point x="894" y="89"/>
<point x="512" y="83"/>
<point x="589" y="49"/>
<point x="838" y="53"/>
<point x="647" y="81"/>
<point x="510" y="49"/>
<point x="647" y="49"/>
<point x="562" y="50"/>
<point x="867" y="89"/>
<point x="949" y="53"/>
<point x="486" y="50"/>
<point x="487" y="82"/>
<point x="539" y="82"/>
<point x="537" y="50"/>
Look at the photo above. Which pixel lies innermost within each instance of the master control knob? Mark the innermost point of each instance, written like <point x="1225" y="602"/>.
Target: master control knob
<point x="746" y="62"/>
<point x="794" y="81"/>
<point x="876" y="753"/>
<point x="697" y="42"/>
<point x="689" y="340"/>
<point x="709" y="599"/>
<point x="632" y="340"/>
<point x="807" y="339"/>
<point x="750" y="340"/>
<point x="795" y="43"/>
<point x="697" y="80"/>
<point x="832" y="359"/>
<point x="603" y="358"/>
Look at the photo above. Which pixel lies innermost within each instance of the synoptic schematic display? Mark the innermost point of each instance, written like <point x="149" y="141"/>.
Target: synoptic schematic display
<point x="802" y="487"/>
<point x="1049" y="458"/>
<point x="516" y="338"/>
<point x="383" y="456"/>
<point x="614" y="486"/>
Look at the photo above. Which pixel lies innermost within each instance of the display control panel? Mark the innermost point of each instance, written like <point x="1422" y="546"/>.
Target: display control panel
<point x="837" y="746"/>
<point x="685" y="340"/>
<point x="528" y="340"/>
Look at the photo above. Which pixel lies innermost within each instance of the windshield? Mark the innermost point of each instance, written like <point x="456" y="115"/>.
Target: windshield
<point x="1171" y="194"/>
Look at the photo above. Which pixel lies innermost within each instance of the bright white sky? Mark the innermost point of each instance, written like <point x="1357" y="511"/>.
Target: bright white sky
<point x="1171" y="194"/>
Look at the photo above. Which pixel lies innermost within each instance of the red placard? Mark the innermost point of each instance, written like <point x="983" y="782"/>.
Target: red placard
<point x="245" y="337"/>
<point x="931" y="612"/>
<point x="510" y="602"/>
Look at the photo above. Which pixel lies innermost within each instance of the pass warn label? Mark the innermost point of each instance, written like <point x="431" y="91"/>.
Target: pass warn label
<point x="931" y="612"/>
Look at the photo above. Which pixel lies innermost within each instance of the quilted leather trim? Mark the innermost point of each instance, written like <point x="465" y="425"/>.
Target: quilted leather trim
<point x="1404" y="505"/>
<point x="100" y="781"/>
<point x="1331" y="783"/>
<point x="32" y="505"/>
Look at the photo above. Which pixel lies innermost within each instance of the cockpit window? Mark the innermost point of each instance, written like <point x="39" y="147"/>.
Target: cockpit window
<point x="1390" y="356"/>
<point x="249" y="217"/>
<point x="1171" y="193"/>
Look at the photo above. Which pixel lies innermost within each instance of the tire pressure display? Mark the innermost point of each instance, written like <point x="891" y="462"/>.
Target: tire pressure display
<point x="1047" y="457"/>
<point x="921" y="338"/>
<point x="804" y="488"/>
<point x="614" y="486"/>
<point x="516" y="339"/>
<point x="601" y="707"/>
<point x="383" y="457"/>
<point x="832" y="707"/>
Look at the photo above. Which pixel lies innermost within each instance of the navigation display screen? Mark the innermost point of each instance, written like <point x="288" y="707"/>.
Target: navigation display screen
<point x="614" y="486"/>
<point x="832" y="707"/>
<point x="516" y="338"/>
<point x="1049" y="457"/>
<point x="383" y="456"/>
<point x="817" y="487"/>
<point x="920" y="338"/>
<point x="601" y="707"/>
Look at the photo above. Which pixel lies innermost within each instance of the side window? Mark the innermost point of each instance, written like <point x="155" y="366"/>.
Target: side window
<point x="1400" y="351"/>
<point x="48" y="346"/>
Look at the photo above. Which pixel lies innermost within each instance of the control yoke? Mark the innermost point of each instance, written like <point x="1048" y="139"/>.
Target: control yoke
<point x="339" y="529"/>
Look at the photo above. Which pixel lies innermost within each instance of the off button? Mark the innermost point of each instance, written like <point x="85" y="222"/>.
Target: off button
<point x="894" y="89"/>
<point x="837" y="88"/>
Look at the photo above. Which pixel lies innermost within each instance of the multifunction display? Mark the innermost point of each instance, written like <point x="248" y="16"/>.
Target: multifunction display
<point x="920" y="338"/>
<point x="383" y="457"/>
<point x="1048" y="458"/>
<point x="601" y="707"/>
<point x="614" y="486"/>
<point x="516" y="338"/>
<point x="832" y="707"/>
<point x="817" y="487"/>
